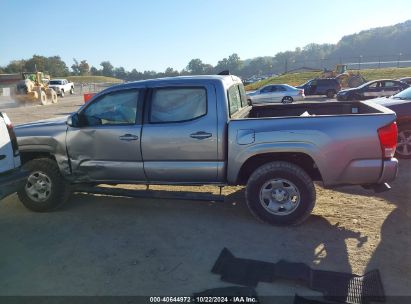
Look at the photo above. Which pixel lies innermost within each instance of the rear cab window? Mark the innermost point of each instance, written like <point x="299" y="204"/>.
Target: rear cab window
<point x="237" y="98"/>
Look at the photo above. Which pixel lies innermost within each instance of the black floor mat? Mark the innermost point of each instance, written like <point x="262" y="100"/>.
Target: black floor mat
<point x="335" y="286"/>
<point x="232" y="291"/>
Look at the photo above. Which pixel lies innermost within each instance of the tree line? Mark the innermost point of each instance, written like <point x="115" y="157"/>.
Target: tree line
<point x="56" y="67"/>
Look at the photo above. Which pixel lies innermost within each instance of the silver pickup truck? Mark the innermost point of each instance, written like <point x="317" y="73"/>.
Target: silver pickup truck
<point x="200" y="130"/>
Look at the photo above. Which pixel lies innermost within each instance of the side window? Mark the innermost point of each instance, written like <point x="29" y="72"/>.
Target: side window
<point x="178" y="104"/>
<point x="112" y="109"/>
<point x="281" y="89"/>
<point x="266" y="89"/>
<point x="234" y="99"/>
<point x="390" y="84"/>
<point x="243" y="95"/>
<point x="374" y="85"/>
<point x="313" y="82"/>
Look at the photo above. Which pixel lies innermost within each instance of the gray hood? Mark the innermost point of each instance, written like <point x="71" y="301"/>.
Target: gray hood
<point x="47" y="127"/>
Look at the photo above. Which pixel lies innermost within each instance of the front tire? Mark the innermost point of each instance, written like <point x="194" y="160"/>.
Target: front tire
<point x="280" y="193"/>
<point x="45" y="188"/>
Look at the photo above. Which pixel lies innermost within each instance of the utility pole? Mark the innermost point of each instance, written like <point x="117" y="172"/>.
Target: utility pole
<point x="399" y="59"/>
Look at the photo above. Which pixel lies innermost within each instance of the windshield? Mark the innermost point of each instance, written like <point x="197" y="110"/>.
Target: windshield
<point x="406" y="94"/>
<point x="55" y="82"/>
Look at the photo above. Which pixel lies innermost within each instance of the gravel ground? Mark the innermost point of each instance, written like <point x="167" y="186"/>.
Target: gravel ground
<point x="100" y="245"/>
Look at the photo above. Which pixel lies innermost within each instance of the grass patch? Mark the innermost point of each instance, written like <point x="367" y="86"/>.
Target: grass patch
<point x="299" y="78"/>
<point x="93" y="79"/>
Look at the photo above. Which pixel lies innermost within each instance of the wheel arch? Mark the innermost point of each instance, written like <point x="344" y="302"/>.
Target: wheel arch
<point x="303" y="160"/>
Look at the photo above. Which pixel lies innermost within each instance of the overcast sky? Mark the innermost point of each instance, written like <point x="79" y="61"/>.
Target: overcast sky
<point x="154" y="35"/>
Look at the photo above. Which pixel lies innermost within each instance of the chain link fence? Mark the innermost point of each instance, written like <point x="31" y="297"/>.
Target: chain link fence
<point x="353" y="63"/>
<point x="82" y="88"/>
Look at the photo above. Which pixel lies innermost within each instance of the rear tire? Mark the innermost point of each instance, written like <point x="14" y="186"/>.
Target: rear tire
<point x="72" y="91"/>
<point x="280" y="193"/>
<point x="62" y="93"/>
<point x="45" y="188"/>
<point x="287" y="99"/>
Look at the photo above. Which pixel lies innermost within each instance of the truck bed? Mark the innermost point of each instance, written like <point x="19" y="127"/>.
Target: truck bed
<point x="312" y="109"/>
<point x="340" y="137"/>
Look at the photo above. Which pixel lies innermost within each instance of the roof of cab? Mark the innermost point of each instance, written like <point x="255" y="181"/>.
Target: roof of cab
<point x="175" y="80"/>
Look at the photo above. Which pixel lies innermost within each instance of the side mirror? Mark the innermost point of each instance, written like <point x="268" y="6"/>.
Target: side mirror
<point x="73" y="120"/>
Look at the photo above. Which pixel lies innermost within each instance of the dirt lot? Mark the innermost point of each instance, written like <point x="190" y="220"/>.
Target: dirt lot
<point x="100" y="245"/>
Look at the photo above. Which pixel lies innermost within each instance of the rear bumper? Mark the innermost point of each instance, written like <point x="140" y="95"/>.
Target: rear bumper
<point x="11" y="181"/>
<point x="389" y="171"/>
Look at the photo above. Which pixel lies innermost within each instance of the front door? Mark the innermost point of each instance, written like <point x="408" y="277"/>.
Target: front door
<point x="179" y="139"/>
<point x="106" y="145"/>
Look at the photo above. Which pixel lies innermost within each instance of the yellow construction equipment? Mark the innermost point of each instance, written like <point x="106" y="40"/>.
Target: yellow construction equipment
<point x="34" y="88"/>
<point x="345" y="77"/>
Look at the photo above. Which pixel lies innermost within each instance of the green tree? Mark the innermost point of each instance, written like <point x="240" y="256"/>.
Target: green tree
<point x="15" y="66"/>
<point x="56" y="67"/>
<point x="170" y="72"/>
<point x="36" y="63"/>
<point x="195" y="66"/>
<point x="84" y="68"/>
<point x="75" y="67"/>
<point x="108" y="68"/>
<point x="120" y="73"/>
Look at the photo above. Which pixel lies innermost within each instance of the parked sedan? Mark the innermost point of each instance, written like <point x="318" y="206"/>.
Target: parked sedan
<point x="275" y="93"/>
<point x="401" y="105"/>
<point x="373" y="89"/>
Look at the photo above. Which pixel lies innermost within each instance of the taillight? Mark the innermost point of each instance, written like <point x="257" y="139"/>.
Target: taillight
<point x="301" y="92"/>
<point x="12" y="135"/>
<point x="388" y="139"/>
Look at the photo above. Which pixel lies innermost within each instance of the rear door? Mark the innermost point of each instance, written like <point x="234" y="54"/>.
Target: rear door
<point x="373" y="90"/>
<point x="179" y="138"/>
<point x="390" y="88"/>
<point x="106" y="145"/>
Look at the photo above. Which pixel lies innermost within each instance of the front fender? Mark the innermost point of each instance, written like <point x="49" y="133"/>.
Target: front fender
<point x="41" y="145"/>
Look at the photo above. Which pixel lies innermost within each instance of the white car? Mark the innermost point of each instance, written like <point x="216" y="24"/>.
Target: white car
<point x="11" y="177"/>
<point x="61" y="86"/>
<point x="276" y="93"/>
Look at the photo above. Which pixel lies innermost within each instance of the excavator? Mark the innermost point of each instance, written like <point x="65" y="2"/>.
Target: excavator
<point x="346" y="78"/>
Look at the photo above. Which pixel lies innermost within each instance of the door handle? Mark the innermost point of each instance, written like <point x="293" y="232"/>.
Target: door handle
<point x="128" y="137"/>
<point x="201" y="135"/>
